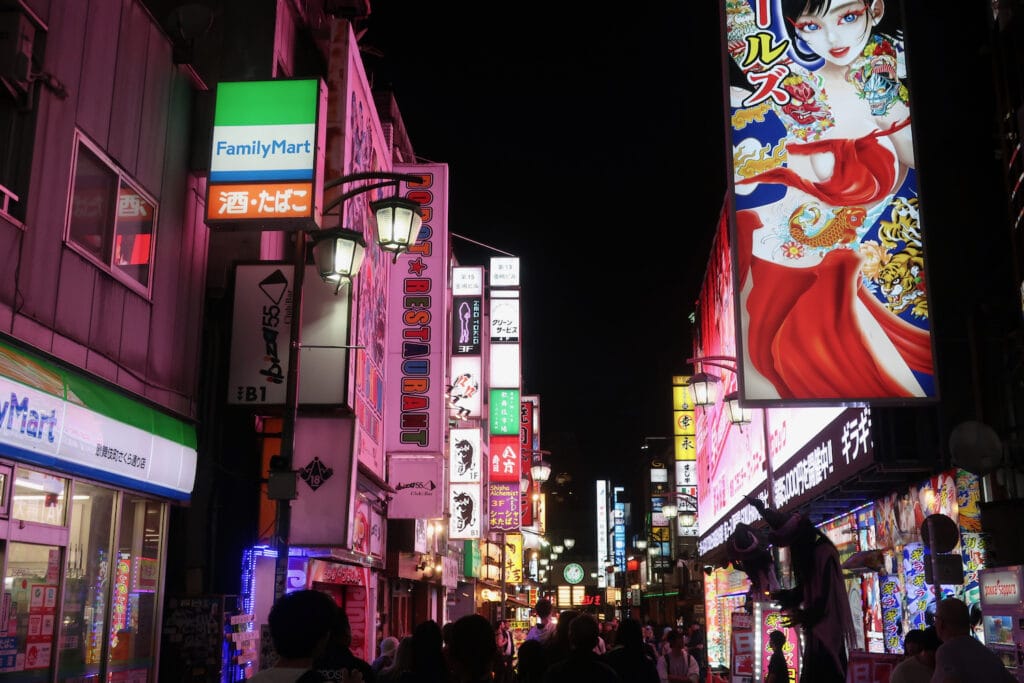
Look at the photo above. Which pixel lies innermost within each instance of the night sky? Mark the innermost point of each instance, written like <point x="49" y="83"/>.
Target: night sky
<point x="589" y="144"/>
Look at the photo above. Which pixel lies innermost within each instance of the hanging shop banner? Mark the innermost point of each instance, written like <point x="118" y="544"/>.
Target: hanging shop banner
<point x="467" y="316"/>
<point x="266" y="162"/>
<point x="467" y="281"/>
<point x="504" y="271"/>
<point x="504" y="365"/>
<point x="260" y="339"/>
<point x="417" y="328"/>
<point x="526" y="421"/>
<point x="418" y="481"/>
<point x="504" y="412"/>
<point x="463" y="394"/>
<point x="504" y="460"/>
<point x="514" y="558"/>
<point x="829" y="249"/>
<point x="503" y="506"/>
<point x="54" y="417"/>
<point x="464" y="504"/>
<point x="324" y="506"/>
<point x="504" y="320"/>
<point x="464" y="455"/>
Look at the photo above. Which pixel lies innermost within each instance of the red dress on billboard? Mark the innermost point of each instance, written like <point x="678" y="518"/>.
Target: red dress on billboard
<point x="803" y="320"/>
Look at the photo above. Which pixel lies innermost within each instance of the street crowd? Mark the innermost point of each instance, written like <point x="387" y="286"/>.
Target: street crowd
<point x="312" y="639"/>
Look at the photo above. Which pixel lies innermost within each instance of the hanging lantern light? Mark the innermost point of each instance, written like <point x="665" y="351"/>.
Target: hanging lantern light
<point x="339" y="255"/>
<point x="540" y="471"/>
<point x="738" y="415"/>
<point x="704" y="388"/>
<point x="398" y="224"/>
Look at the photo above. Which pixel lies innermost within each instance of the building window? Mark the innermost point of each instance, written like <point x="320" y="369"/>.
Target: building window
<point x="112" y="221"/>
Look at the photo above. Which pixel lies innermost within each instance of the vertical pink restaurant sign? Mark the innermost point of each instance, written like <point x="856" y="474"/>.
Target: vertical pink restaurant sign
<point x="417" y="325"/>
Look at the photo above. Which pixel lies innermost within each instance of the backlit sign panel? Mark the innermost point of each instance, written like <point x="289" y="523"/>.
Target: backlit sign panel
<point x="417" y="329"/>
<point x="832" y="301"/>
<point x="467" y="323"/>
<point x="504" y="412"/>
<point x="266" y="161"/>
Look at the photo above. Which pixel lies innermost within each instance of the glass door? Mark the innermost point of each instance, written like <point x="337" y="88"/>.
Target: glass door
<point x="29" y="611"/>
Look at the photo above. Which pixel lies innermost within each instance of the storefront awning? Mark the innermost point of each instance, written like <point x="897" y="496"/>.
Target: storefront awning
<point x="54" y="417"/>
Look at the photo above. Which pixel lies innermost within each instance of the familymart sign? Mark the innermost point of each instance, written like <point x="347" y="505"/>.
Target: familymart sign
<point x="266" y="162"/>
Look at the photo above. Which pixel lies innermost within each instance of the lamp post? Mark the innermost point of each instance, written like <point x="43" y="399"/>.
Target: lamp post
<point x="339" y="253"/>
<point x="704" y="388"/>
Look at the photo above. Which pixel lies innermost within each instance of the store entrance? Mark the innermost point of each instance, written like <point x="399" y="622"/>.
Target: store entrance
<point x="29" y="608"/>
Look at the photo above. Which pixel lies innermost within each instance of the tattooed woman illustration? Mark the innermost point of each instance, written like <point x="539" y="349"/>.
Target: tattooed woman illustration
<point x="831" y="262"/>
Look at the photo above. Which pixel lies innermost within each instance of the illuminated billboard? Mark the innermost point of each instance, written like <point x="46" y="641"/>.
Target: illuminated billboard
<point x="266" y="160"/>
<point x="832" y="302"/>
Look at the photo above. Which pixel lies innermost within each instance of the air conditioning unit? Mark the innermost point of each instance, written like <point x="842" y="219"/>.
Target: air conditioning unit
<point x="17" y="35"/>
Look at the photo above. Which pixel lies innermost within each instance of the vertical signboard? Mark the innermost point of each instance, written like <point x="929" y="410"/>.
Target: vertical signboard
<point x="525" y="462"/>
<point x="504" y="404"/>
<point x="417" y="333"/>
<point x="684" y="434"/>
<point x="603" y="552"/>
<point x="261" y="322"/>
<point x="832" y="299"/>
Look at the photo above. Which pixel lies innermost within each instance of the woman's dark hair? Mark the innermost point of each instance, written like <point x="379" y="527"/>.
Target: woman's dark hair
<point x="299" y="620"/>
<point x="427" y="650"/>
<point x="776" y="638"/>
<point x="472" y="649"/>
<point x="630" y="634"/>
<point x="531" y="663"/>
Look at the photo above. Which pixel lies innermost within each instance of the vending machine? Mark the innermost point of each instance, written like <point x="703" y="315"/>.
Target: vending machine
<point x="1002" y="615"/>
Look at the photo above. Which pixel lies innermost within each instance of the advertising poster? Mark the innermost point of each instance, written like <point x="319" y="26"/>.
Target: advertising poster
<point x="743" y="648"/>
<point x="772" y="620"/>
<point x="917" y="592"/>
<point x="891" y="602"/>
<point x="832" y="301"/>
<point x="464" y="455"/>
<point x="464" y="503"/>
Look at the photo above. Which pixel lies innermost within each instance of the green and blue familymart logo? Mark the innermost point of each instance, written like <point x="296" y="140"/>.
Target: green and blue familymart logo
<point x="264" y="131"/>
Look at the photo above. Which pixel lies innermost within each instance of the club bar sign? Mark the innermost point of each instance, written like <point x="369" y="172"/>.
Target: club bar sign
<point x="266" y="162"/>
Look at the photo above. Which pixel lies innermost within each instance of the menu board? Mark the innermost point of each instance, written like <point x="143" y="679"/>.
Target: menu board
<point x="194" y="639"/>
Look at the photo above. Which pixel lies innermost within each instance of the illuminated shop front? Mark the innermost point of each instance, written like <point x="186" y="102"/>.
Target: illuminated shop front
<point x="87" y="476"/>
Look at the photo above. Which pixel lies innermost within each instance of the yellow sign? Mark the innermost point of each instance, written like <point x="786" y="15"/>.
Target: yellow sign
<point x="686" y="447"/>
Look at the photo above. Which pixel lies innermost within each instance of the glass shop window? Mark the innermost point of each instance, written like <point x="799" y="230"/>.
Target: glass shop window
<point x="111" y="220"/>
<point x="39" y="497"/>
<point x="135" y="572"/>
<point x="21" y="88"/>
<point x="87" y="583"/>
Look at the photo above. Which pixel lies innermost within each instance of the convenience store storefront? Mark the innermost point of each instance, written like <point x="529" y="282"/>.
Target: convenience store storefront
<point x="87" y="476"/>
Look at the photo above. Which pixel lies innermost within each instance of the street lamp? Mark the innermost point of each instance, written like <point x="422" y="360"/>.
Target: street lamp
<point x="569" y="543"/>
<point x="339" y="253"/>
<point x="540" y="471"/>
<point x="704" y="388"/>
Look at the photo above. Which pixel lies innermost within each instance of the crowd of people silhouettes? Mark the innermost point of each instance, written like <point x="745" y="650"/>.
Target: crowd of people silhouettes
<point x="312" y="639"/>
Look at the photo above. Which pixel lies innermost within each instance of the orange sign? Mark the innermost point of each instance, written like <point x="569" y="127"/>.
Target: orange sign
<point x="259" y="200"/>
